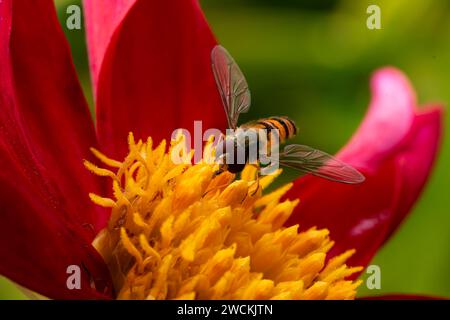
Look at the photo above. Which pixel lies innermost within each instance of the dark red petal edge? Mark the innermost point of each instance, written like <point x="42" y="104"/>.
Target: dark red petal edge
<point x="156" y="73"/>
<point x="45" y="132"/>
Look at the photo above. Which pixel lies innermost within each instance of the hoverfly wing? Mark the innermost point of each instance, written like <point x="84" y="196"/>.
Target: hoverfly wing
<point x="231" y="83"/>
<point x="319" y="163"/>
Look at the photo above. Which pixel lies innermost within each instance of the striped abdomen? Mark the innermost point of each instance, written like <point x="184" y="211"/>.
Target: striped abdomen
<point x="286" y="127"/>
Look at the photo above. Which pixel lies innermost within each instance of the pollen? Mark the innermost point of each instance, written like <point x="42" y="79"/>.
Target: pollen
<point x="182" y="231"/>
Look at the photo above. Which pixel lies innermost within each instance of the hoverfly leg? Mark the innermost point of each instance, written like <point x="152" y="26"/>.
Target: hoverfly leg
<point x="219" y="171"/>
<point x="222" y="165"/>
<point x="255" y="184"/>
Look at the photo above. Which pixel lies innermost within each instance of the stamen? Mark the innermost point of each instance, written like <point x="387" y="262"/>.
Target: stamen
<point x="103" y="202"/>
<point x="109" y="162"/>
<point x="181" y="231"/>
<point x="99" y="171"/>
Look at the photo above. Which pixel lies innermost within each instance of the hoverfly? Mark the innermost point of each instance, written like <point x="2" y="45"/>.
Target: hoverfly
<point x="235" y="95"/>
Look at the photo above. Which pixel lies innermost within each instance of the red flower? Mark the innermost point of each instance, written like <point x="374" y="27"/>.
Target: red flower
<point x="151" y="74"/>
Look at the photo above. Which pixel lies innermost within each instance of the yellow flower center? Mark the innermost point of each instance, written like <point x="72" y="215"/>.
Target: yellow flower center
<point x="180" y="231"/>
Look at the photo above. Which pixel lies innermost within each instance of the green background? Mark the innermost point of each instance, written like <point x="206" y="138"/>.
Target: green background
<point x="312" y="60"/>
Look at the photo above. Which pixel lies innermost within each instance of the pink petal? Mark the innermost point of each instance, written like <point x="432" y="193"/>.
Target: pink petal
<point x="155" y="74"/>
<point x="364" y="216"/>
<point x="45" y="132"/>
<point x="388" y="120"/>
<point x="102" y="19"/>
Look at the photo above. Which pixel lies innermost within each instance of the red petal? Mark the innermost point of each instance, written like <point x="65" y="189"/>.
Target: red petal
<point x="45" y="132"/>
<point x="38" y="248"/>
<point x="416" y="160"/>
<point x="155" y="75"/>
<point x="395" y="149"/>
<point x="45" y="118"/>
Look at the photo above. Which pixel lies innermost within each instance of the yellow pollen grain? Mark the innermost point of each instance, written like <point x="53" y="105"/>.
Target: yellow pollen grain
<point x="180" y="231"/>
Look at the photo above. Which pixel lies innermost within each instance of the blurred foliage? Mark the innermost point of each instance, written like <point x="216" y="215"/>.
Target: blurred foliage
<point x="312" y="60"/>
<point x="78" y="44"/>
<point x="313" y="63"/>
